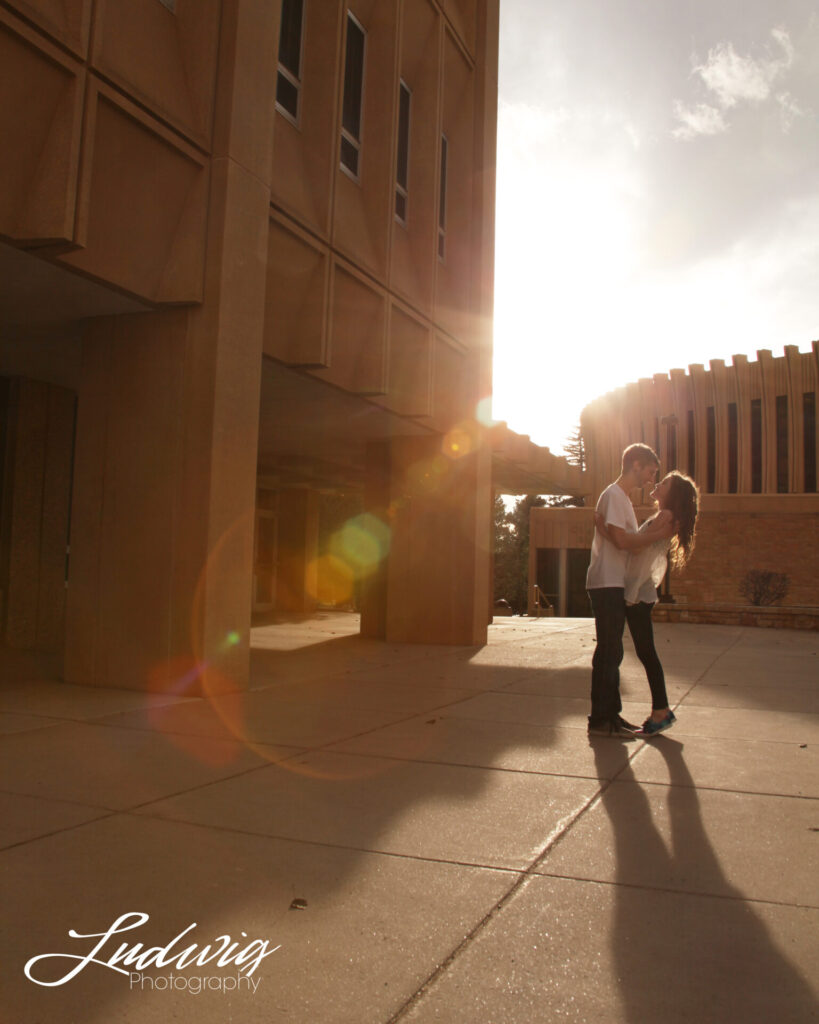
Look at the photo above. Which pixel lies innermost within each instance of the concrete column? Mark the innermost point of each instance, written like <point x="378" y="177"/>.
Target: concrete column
<point x="165" y="479"/>
<point x="437" y="574"/>
<point x="768" y="383"/>
<point x="35" y="523"/>
<point x="297" y="579"/>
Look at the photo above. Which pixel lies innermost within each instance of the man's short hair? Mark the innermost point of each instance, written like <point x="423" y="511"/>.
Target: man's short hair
<point x="639" y="453"/>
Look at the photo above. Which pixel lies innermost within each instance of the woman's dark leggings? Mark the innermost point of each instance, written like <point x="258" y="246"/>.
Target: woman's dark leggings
<point x="638" y="617"/>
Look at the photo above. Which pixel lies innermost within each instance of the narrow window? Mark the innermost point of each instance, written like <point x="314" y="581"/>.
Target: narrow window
<point x="671" y="445"/>
<point x="402" y="158"/>
<point x="782" y="444"/>
<point x="809" y="439"/>
<point x="732" y="447"/>
<point x="756" y="445"/>
<point x="692" y="455"/>
<point x="288" y="80"/>
<point x="657" y="435"/>
<point x="711" y="448"/>
<point x="353" y="94"/>
<point x="442" y="200"/>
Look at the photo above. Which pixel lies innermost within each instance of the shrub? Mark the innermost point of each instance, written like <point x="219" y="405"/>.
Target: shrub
<point x="760" y="586"/>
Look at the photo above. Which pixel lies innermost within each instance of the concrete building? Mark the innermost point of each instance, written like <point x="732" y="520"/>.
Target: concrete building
<point x="747" y="433"/>
<point x="228" y="284"/>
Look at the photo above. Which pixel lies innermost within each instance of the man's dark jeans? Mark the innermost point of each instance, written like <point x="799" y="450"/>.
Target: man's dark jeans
<point x="609" y="606"/>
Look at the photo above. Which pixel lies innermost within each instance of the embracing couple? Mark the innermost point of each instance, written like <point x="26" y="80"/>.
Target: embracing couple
<point x="627" y="565"/>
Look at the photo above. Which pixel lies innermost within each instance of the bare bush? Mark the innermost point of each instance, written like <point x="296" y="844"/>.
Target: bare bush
<point x="760" y="586"/>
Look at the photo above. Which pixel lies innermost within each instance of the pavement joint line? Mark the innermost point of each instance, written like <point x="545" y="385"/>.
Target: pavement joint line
<point x="57" y="831"/>
<point x="57" y="800"/>
<point x="713" y="789"/>
<point x="736" y="898"/>
<point x="397" y="854"/>
<point x="530" y="872"/>
<point x="740" y="635"/>
<point x="462" y="764"/>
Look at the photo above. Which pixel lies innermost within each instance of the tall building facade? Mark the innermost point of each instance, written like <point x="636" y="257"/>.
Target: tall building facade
<point x="747" y="434"/>
<point x="247" y="255"/>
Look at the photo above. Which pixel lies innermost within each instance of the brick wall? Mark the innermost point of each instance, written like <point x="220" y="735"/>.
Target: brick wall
<point x="730" y="543"/>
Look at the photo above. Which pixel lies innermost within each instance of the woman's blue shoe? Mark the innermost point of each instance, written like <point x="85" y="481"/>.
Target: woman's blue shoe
<point x="651" y="728"/>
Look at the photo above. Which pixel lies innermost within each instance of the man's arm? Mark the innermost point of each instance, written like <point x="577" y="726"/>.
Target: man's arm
<point x="661" y="528"/>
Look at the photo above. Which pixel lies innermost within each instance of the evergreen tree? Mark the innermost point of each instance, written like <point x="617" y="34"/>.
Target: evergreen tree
<point x="512" y="551"/>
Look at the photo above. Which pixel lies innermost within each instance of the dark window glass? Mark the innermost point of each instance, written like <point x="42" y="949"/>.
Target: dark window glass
<point x="548" y="572"/>
<point x="692" y="454"/>
<point x="288" y="79"/>
<point x="290" y="36"/>
<point x="353" y="93"/>
<point x="809" y="439"/>
<point x="287" y="95"/>
<point x="442" y="198"/>
<point x="782" y="444"/>
<point x="671" y="445"/>
<point x="402" y="159"/>
<point x="756" y="445"/>
<point x="711" y="448"/>
<point x="732" y="447"/>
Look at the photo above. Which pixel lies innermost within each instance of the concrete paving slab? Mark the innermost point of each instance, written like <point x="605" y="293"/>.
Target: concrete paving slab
<point x="451" y="812"/>
<point x="79" y="703"/>
<point x="383" y="694"/>
<point x="119" y="768"/>
<point x="24" y="723"/>
<point x="786" y="674"/>
<point x="754" y="724"/>
<point x="713" y="695"/>
<point x="563" y="712"/>
<point x="26" y="817"/>
<point x="514" y="746"/>
<point x="574" y="681"/>
<point x="701" y="841"/>
<point x="775" y="767"/>
<point x="260" y="717"/>
<point x="468" y="815"/>
<point x="451" y="672"/>
<point x="372" y="930"/>
<point x="564" y="950"/>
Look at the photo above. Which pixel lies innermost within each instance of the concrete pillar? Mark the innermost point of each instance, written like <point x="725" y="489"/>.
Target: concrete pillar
<point x="165" y="480"/>
<point x="35" y="514"/>
<point x="437" y="577"/>
<point x="297" y="576"/>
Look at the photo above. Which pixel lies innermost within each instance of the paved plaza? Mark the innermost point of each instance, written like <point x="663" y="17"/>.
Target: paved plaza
<point x="379" y="833"/>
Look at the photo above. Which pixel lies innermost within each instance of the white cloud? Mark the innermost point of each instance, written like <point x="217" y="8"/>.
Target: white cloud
<point x="789" y="110"/>
<point x="732" y="79"/>
<point x="702" y="119"/>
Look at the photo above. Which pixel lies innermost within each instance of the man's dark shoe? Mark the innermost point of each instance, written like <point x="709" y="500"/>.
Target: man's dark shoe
<point x="627" y="725"/>
<point x="611" y="729"/>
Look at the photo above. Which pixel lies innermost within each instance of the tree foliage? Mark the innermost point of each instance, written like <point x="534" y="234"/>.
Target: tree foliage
<point x="512" y="550"/>
<point x="575" y="448"/>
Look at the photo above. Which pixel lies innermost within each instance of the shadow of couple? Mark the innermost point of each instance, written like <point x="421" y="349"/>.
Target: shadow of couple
<point x="686" y="943"/>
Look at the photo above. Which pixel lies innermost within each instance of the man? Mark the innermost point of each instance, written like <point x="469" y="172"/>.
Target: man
<point x="605" y="582"/>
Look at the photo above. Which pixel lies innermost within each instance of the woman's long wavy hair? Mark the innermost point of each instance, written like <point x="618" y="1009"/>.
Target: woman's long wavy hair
<point x="683" y="504"/>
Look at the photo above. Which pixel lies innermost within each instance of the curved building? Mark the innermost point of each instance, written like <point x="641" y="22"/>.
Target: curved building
<point x="747" y="433"/>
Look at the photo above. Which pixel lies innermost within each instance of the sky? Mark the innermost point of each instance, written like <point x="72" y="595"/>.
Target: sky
<point x="657" y="194"/>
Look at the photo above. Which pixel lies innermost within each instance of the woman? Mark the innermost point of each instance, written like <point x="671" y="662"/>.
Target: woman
<point x="670" y="530"/>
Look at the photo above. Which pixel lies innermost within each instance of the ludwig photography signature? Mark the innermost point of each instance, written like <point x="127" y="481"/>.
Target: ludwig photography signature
<point x="133" y="959"/>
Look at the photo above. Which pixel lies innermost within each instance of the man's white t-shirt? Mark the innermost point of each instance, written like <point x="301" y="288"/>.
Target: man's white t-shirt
<point x="608" y="564"/>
